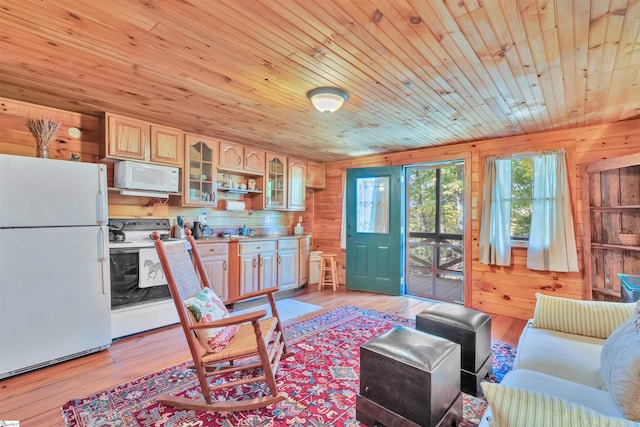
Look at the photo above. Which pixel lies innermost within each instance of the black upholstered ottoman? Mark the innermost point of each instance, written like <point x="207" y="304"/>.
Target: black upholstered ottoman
<point x="467" y="327"/>
<point x="409" y="378"/>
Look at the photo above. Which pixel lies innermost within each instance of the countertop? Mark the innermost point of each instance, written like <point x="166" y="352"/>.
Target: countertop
<point x="216" y="239"/>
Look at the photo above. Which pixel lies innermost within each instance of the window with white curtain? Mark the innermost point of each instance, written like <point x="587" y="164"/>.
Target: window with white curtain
<point x="551" y="240"/>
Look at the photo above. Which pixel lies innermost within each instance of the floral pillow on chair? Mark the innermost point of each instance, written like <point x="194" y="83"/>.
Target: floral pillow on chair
<point x="205" y="307"/>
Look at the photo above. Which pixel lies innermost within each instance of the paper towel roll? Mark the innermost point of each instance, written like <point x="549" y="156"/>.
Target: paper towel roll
<point x="232" y="205"/>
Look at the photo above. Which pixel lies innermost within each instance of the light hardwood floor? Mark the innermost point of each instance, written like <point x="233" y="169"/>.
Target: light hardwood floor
<point x="35" y="398"/>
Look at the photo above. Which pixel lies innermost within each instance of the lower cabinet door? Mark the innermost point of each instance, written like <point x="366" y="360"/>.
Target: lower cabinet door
<point x="215" y="259"/>
<point x="248" y="280"/>
<point x="287" y="268"/>
<point x="268" y="270"/>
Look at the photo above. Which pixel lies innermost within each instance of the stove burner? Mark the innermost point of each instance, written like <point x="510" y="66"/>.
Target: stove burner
<point x="137" y="231"/>
<point x="116" y="236"/>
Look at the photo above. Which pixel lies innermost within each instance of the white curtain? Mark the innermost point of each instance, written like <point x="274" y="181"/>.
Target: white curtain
<point x="552" y="245"/>
<point x="495" y="227"/>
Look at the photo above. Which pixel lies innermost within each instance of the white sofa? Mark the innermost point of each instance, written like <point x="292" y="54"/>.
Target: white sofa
<point x="557" y="376"/>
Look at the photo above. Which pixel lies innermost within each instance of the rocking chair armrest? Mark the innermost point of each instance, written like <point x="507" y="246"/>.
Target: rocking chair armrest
<point x="232" y="320"/>
<point x="253" y="295"/>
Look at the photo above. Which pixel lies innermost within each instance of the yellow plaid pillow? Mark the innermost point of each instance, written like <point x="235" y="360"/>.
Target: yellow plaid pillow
<point x="511" y="406"/>
<point x="596" y="319"/>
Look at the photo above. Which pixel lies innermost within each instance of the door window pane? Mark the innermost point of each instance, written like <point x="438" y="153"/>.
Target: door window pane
<point x="372" y="204"/>
<point x="422" y="200"/>
<point x="451" y="199"/>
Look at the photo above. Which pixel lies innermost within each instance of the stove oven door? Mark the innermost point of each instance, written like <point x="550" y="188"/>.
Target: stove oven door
<point x="135" y="309"/>
<point x="125" y="281"/>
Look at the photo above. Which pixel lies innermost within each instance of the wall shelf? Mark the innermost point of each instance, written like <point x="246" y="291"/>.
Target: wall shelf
<point x="614" y="247"/>
<point x="238" y="190"/>
<point x="614" y="208"/>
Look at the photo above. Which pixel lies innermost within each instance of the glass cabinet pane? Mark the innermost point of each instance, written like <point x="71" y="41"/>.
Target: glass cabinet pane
<point x="202" y="175"/>
<point x="276" y="183"/>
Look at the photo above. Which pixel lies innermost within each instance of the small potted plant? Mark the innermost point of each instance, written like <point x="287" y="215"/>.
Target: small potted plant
<point x="628" y="237"/>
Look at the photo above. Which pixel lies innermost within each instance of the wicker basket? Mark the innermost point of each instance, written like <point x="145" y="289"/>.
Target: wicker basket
<point x="628" y="239"/>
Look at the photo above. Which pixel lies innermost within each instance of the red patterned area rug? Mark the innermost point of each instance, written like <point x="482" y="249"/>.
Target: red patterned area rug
<point x="321" y="380"/>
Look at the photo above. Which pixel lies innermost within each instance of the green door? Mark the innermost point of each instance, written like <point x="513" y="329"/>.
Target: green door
<point x="374" y="200"/>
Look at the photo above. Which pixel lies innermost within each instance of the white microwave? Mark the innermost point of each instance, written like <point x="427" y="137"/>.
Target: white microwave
<point x="146" y="176"/>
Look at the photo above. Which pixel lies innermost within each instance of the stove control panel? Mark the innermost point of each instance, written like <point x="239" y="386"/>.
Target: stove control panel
<point x="140" y="224"/>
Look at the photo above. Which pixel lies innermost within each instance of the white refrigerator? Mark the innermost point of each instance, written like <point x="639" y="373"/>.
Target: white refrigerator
<point x="54" y="262"/>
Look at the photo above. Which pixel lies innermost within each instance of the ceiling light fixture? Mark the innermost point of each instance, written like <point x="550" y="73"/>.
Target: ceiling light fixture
<point x="327" y="99"/>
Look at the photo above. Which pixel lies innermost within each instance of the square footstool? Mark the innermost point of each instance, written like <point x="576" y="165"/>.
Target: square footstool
<point x="467" y="327"/>
<point x="409" y="378"/>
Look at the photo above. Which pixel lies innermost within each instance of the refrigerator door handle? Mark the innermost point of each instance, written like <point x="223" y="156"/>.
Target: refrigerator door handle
<point x="102" y="195"/>
<point x="101" y="245"/>
<point x="103" y="250"/>
<point x="100" y="207"/>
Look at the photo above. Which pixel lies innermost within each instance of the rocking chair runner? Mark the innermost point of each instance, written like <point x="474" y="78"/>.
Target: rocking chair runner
<point x="258" y="343"/>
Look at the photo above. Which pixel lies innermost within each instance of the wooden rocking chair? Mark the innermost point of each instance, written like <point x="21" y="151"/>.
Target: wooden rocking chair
<point x="258" y="342"/>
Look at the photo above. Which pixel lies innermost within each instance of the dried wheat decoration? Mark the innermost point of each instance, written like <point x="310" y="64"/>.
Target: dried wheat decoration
<point x="44" y="131"/>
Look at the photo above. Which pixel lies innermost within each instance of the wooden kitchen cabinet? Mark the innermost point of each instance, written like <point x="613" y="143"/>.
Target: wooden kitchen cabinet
<point x="199" y="174"/>
<point x="254" y="160"/>
<point x="275" y="192"/>
<point x="253" y="265"/>
<point x="126" y="138"/>
<point x="315" y="175"/>
<point x="296" y="189"/>
<point x="231" y="156"/>
<point x="285" y="184"/>
<point x="167" y="145"/>
<point x="131" y="139"/>
<point x="305" y="252"/>
<point x="238" y="158"/>
<point x="288" y="263"/>
<point x="215" y="259"/>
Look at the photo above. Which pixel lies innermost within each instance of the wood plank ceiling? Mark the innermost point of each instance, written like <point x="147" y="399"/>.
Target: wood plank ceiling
<point x="419" y="73"/>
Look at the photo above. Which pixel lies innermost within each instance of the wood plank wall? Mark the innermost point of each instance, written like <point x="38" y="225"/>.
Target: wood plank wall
<point x="16" y="139"/>
<point x="508" y="291"/>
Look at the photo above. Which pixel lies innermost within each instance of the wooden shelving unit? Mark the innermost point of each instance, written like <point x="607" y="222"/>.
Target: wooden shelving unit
<point x="611" y="200"/>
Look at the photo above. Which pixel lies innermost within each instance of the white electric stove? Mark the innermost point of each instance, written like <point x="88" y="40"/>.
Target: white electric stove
<point x="140" y="297"/>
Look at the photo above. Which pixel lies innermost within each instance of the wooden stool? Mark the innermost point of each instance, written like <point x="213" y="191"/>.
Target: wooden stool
<point x="328" y="267"/>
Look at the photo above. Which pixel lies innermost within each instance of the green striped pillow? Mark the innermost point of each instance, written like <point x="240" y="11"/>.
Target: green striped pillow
<point x="596" y="319"/>
<point x="511" y="406"/>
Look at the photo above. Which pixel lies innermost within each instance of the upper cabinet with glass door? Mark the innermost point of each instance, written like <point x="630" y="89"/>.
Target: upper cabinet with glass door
<point x="285" y="184"/>
<point x="275" y="191"/>
<point x="199" y="180"/>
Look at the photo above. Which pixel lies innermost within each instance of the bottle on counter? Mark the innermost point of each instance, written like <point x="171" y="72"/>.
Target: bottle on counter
<point x="298" y="229"/>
